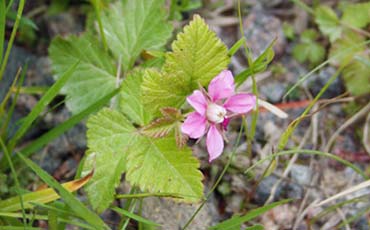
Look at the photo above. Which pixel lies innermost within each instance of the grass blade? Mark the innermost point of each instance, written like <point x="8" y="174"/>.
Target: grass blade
<point x="16" y="228"/>
<point x="310" y="152"/>
<point x="27" y="216"/>
<point x="42" y="196"/>
<point x="39" y="107"/>
<point x="293" y="125"/>
<point x="238" y="220"/>
<point x="2" y="28"/>
<point x="9" y="114"/>
<point x="76" y="205"/>
<point x="134" y="216"/>
<point x="18" y="187"/>
<point x="12" y="37"/>
<point x="236" y="46"/>
<point x="60" y="129"/>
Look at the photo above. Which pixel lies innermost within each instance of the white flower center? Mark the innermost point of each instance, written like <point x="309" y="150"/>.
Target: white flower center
<point x="215" y="113"/>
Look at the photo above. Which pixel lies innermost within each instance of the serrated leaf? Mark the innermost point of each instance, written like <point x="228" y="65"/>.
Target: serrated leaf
<point x="109" y="132"/>
<point x="163" y="90"/>
<point x="328" y="22"/>
<point x="132" y="26"/>
<point x="356" y="77"/>
<point x="198" y="55"/>
<point x="92" y="80"/>
<point x="109" y="135"/>
<point x="357" y="15"/>
<point x="108" y="168"/>
<point x="131" y="103"/>
<point x="157" y="165"/>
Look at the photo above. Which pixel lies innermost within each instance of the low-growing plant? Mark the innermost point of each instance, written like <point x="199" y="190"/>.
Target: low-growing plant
<point x="143" y="102"/>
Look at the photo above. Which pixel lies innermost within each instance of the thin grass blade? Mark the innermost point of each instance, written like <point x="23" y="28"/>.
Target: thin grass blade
<point x="75" y="204"/>
<point x="238" y="220"/>
<point x="134" y="216"/>
<point x="42" y="196"/>
<point x="39" y="107"/>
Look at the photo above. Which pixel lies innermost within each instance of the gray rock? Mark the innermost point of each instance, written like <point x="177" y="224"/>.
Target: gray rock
<point x="294" y="191"/>
<point x="18" y="58"/>
<point x="260" y="29"/>
<point x="317" y="81"/>
<point x="301" y="174"/>
<point x="173" y="215"/>
<point x="264" y="189"/>
<point x="273" y="91"/>
<point x="64" y="24"/>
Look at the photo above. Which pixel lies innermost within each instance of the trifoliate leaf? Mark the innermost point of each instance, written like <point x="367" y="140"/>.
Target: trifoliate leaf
<point x="132" y="26"/>
<point x="109" y="136"/>
<point x="131" y="102"/>
<point x="328" y="22"/>
<point x="163" y="90"/>
<point x="157" y="165"/>
<point x="198" y="55"/>
<point x="309" y="49"/>
<point x="108" y="168"/>
<point x="356" y="15"/>
<point x="356" y="77"/>
<point x="93" y="78"/>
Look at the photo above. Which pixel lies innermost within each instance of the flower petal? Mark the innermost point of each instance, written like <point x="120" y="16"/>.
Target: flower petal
<point x="222" y="86"/>
<point x="215" y="143"/>
<point x="241" y="103"/>
<point x="198" y="101"/>
<point x="194" y="125"/>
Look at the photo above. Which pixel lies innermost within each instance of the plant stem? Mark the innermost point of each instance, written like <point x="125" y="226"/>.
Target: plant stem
<point x="12" y="37"/>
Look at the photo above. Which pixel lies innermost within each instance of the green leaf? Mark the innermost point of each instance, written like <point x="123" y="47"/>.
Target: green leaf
<point x="317" y="53"/>
<point x="238" y="220"/>
<point x="198" y="54"/>
<point x="157" y="165"/>
<point x="356" y="77"/>
<point x="309" y="49"/>
<point x="92" y="80"/>
<point x="328" y="22"/>
<point x="108" y="168"/>
<point x="349" y="39"/>
<point x="131" y="103"/>
<point x="356" y="15"/>
<point x="163" y="90"/>
<point x="109" y="135"/>
<point x="132" y="26"/>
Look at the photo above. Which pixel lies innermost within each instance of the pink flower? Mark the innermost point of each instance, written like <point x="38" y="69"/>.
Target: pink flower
<point x="213" y="111"/>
